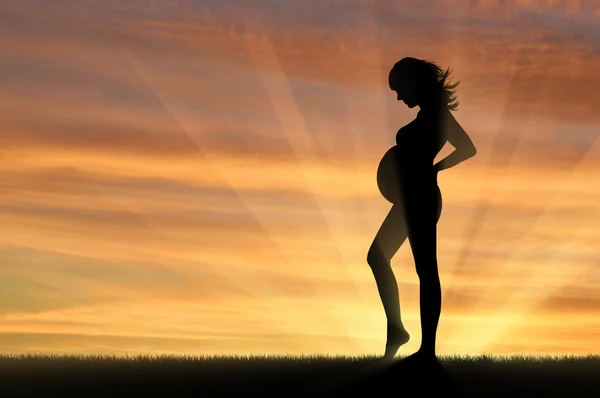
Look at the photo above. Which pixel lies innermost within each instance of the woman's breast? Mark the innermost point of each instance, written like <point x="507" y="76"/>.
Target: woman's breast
<point x="417" y="147"/>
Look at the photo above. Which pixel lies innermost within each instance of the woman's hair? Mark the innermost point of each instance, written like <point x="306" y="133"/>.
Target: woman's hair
<point x="429" y="76"/>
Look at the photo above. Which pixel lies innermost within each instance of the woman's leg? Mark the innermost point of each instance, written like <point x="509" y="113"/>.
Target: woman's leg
<point x="388" y="240"/>
<point x="423" y="215"/>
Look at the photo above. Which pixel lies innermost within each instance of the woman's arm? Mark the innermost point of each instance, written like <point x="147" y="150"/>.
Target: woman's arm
<point x="460" y="140"/>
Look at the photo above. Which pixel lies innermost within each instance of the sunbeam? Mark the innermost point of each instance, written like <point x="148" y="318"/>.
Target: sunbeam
<point x="251" y="271"/>
<point x="294" y="127"/>
<point x="200" y="177"/>
<point x="521" y="303"/>
<point x="501" y="159"/>
<point x="505" y="142"/>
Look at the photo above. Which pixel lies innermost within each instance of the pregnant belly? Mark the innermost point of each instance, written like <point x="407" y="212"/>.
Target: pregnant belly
<point x="396" y="175"/>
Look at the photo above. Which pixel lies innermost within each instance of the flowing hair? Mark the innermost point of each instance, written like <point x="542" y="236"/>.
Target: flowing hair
<point x="431" y="76"/>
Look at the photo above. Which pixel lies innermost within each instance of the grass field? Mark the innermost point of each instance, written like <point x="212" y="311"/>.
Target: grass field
<point x="308" y="376"/>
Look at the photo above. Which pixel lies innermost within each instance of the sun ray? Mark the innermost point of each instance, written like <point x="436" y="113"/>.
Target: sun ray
<point x="501" y="158"/>
<point x="265" y="286"/>
<point x="105" y="237"/>
<point x="505" y="142"/>
<point x="346" y="205"/>
<point x="133" y="62"/>
<point x="521" y="303"/>
<point x="248" y="205"/>
<point x="277" y="87"/>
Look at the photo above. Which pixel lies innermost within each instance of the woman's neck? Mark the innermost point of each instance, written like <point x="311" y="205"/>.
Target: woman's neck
<point x="433" y="104"/>
<point x="429" y="109"/>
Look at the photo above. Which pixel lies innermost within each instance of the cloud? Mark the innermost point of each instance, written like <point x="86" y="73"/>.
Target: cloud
<point x="184" y="168"/>
<point x="342" y="43"/>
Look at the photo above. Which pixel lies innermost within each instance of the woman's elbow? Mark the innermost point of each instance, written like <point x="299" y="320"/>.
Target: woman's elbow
<point x="470" y="152"/>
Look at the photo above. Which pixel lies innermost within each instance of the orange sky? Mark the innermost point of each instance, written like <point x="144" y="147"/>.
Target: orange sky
<point x="199" y="176"/>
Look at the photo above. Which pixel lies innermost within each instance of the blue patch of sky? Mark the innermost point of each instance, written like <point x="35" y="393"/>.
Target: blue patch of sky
<point x="304" y="13"/>
<point x="37" y="77"/>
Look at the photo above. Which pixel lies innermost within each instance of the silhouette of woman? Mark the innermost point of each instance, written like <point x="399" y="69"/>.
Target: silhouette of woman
<point x="407" y="178"/>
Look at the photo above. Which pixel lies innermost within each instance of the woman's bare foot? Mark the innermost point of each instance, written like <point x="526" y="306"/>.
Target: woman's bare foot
<point x="396" y="337"/>
<point x="422" y="357"/>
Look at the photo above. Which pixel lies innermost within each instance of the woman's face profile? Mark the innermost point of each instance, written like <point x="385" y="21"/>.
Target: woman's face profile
<point x="405" y="89"/>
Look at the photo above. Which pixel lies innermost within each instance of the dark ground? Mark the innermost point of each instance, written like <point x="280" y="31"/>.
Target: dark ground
<point x="37" y="376"/>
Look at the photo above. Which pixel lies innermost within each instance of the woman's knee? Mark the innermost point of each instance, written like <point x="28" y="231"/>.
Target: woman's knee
<point x="376" y="258"/>
<point x="427" y="270"/>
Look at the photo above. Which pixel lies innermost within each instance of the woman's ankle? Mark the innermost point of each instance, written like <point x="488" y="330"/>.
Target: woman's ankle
<point x="427" y="350"/>
<point x="397" y="325"/>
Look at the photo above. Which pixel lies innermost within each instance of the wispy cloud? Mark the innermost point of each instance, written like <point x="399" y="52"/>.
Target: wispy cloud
<point x="182" y="174"/>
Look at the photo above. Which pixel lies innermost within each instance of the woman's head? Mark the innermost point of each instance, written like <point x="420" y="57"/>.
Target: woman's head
<point x="419" y="82"/>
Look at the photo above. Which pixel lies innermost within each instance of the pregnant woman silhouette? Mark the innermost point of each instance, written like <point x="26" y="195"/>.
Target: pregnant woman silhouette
<point x="407" y="178"/>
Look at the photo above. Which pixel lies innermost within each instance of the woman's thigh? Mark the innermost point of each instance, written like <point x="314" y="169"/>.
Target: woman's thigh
<point x="423" y="210"/>
<point x="391" y="235"/>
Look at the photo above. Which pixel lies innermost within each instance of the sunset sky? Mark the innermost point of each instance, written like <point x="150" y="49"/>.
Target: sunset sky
<point x="199" y="176"/>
